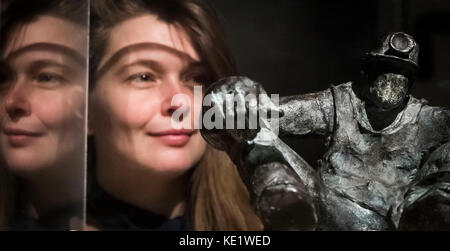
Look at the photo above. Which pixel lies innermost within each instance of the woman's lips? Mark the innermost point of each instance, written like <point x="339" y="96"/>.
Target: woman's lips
<point x="20" y="137"/>
<point x="177" y="138"/>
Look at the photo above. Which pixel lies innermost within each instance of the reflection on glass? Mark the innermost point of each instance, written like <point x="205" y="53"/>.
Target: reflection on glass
<point x="42" y="112"/>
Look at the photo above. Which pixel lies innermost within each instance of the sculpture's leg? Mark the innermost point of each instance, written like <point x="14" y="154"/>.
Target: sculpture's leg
<point x="283" y="186"/>
<point x="427" y="205"/>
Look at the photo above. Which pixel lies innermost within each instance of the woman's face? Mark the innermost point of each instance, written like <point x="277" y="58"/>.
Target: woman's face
<point x="146" y="63"/>
<point x="42" y="95"/>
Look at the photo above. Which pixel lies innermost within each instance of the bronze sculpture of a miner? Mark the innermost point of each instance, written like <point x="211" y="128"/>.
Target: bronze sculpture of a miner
<point x="387" y="166"/>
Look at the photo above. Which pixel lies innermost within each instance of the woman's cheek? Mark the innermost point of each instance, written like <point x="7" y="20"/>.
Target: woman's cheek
<point x="127" y="107"/>
<point x="59" y="109"/>
<point x="142" y="106"/>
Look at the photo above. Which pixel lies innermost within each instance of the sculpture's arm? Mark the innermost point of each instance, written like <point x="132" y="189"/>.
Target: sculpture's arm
<point x="307" y="114"/>
<point x="284" y="189"/>
<point x="442" y="116"/>
<point x="435" y="123"/>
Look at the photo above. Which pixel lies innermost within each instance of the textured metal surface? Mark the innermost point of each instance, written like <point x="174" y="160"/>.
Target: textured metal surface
<point x="371" y="178"/>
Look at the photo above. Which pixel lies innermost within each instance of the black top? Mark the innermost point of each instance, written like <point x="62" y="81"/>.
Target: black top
<point x="55" y="219"/>
<point x="103" y="211"/>
<point x="107" y="213"/>
<point x="58" y="219"/>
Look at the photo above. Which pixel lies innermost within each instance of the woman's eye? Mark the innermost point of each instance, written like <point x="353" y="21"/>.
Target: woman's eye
<point x="48" y="79"/>
<point x="142" y="77"/>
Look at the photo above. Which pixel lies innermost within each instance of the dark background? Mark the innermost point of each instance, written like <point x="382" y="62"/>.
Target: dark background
<point x="300" y="46"/>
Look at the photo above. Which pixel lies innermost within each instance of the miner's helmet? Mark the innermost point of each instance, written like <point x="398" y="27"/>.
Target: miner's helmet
<point x="397" y="51"/>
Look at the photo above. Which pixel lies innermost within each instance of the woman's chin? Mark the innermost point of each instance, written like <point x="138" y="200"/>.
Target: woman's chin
<point x="24" y="167"/>
<point x="176" y="166"/>
<point x="174" y="162"/>
<point x="169" y="159"/>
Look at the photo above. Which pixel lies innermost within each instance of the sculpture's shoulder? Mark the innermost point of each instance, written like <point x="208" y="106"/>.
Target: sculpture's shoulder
<point x="343" y="91"/>
<point x="438" y="112"/>
<point x="343" y="87"/>
<point x="436" y="119"/>
<point x="344" y="97"/>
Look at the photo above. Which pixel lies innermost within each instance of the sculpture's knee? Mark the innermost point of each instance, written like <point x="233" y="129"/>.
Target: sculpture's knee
<point x="427" y="203"/>
<point x="284" y="207"/>
<point x="282" y="199"/>
<point x="431" y="211"/>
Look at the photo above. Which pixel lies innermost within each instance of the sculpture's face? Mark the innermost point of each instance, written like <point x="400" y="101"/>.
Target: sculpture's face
<point x="388" y="90"/>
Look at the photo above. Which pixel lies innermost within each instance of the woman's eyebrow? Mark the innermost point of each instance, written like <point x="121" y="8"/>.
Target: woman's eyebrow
<point x="67" y="51"/>
<point x="154" y="65"/>
<point x="36" y="65"/>
<point x="135" y="47"/>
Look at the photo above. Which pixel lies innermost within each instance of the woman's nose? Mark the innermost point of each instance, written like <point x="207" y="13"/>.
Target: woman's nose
<point x="176" y="99"/>
<point x="16" y="103"/>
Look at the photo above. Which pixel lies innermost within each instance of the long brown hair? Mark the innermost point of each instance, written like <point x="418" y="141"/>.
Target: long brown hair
<point x="218" y="200"/>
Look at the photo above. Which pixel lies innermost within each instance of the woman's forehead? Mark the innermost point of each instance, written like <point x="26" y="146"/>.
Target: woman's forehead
<point x="149" y="29"/>
<point x="48" y="29"/>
